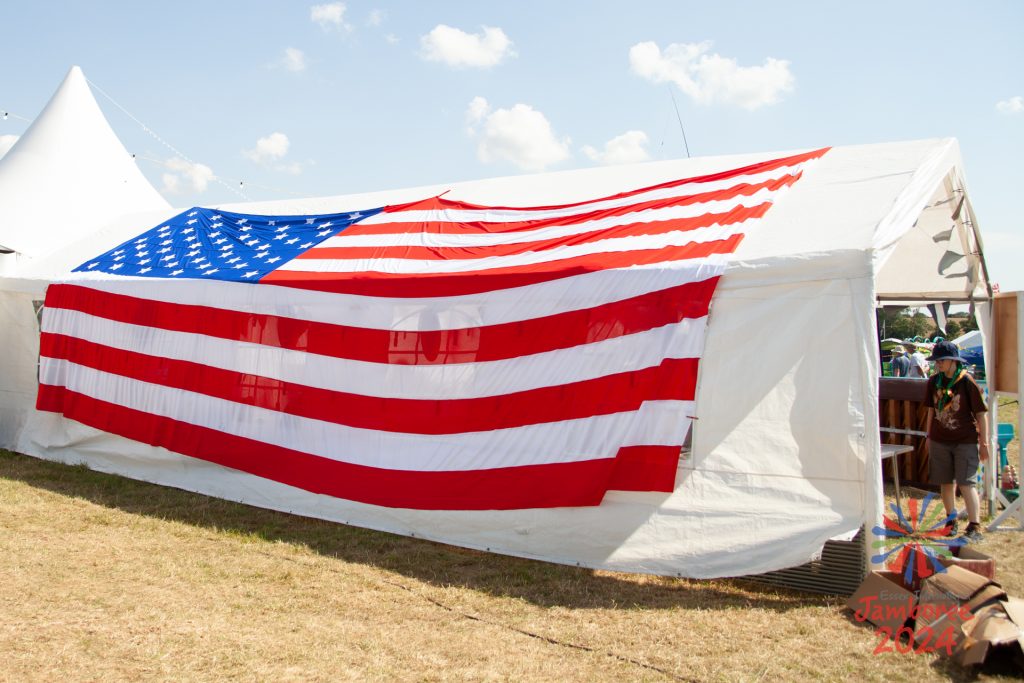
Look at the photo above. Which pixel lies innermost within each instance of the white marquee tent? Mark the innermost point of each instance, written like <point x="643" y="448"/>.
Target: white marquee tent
<point x="66" y="175"/>
<point x="785" y="451"/>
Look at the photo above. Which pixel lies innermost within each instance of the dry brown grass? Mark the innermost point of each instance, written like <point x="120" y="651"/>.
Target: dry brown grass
<point x="104" y="579"/>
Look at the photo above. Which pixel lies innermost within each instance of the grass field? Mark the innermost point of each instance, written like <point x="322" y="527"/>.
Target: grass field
<point x="108" y="579"/>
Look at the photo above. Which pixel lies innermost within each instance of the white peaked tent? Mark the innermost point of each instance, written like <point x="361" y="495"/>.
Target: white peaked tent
<point x="66" y="175"/>
<point x="969" y="340"/>
<point x="785" y="450"/>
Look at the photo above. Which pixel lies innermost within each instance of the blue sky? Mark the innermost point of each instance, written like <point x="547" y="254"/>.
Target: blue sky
<point x="320" y="98"/>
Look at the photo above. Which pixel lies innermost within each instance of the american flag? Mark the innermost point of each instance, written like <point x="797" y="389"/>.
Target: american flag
<point x="432" y="355"/>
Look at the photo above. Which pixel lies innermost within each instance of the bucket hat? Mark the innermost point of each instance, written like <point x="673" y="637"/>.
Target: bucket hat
<point x="945" y="350"/>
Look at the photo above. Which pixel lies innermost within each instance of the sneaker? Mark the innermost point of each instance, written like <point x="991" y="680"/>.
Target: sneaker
<point x="973" y="533"/>
<point x="952" y="528"/>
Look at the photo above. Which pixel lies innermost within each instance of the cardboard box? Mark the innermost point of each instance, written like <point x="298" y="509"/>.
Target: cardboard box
<point x="952" y="599"/>
<point x="996" y="631"/>
<point x="883" y="600"/>
<point x="972" y="560"/>
<point x="984" y="623"/>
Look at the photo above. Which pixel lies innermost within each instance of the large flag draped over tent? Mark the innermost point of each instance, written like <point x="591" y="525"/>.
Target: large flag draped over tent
<point x="432" y="355"/>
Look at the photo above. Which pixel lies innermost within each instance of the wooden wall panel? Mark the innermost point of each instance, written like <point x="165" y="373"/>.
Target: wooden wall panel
<point x="1004" y="315"/>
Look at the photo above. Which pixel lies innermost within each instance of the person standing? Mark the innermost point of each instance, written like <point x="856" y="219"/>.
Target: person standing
<point x="900" y="362"/>
<point x="957" y="435"/>
<point x="918" y="363"/>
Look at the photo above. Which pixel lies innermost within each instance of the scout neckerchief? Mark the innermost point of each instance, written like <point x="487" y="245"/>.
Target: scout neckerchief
<point x="946" y="390"/>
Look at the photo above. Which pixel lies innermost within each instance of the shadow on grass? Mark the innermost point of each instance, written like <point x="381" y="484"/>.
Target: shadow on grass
<point x="540" y="583"/>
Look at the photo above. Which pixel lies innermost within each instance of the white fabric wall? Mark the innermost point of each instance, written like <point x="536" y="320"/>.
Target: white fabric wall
<point x="19" y="341"/>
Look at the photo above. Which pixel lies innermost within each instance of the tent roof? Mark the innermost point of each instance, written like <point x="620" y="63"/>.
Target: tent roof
<point x="969" y="340"/>
<point x="860" y="210"/>
<point x="67" y="175"/>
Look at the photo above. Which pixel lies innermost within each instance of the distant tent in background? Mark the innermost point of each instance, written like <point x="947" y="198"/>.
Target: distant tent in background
<point x="971" y="348"/>
<point x="786" y="450"/>
<point x="66" y="176"/>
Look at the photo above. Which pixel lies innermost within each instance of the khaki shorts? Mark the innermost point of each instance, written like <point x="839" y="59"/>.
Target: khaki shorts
<point x="949" y="462"/>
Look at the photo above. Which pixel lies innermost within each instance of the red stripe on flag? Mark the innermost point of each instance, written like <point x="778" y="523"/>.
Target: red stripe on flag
<point x="411" y="285"/>
<point x="482" y="226"/>
<point x="645" y="468"/>
<point x="400" y="347"/>
<point x="673" y="379"/>
<point x="440" y="202"/>
<point x="528" y="486"/>
<point x="732" y="217"/>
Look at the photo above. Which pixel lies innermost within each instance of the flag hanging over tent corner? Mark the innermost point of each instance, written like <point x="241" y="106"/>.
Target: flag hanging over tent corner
<point x="433" y="355"/>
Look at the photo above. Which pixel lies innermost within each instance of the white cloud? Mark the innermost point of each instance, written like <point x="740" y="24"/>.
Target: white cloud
<point x="476" y="111"/>
<point x="273" y="148"/>
<point x="520" y="135"/>
<point x="627" y="148"/>
<point x="197" y="175"/>
<point x="460" y="49"/>
<point x="376" y="18"/>
<point x="329" y="16"/>
<point x="712" y="78"/>
<point x="391" y="38"/>
<point x="6" y="142"/>
<point x="172" y="183"/>
<point x="294" y="59"/>
<point x="1014" y="105"/>
<point x="269" y="148"/>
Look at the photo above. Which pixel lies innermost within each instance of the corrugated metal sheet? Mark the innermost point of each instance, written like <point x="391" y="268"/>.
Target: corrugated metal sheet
<point x="839" y="571"/>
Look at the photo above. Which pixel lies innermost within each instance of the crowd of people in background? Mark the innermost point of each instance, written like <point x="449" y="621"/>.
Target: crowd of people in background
<point x="909" y="363"/>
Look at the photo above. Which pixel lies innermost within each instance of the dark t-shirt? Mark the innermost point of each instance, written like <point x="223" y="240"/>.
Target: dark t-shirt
<point x="955" y="424"/>
<point x="900" y="366"/>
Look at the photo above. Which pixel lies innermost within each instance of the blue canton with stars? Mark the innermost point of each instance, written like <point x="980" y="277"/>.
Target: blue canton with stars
<point x="219" y="245"/>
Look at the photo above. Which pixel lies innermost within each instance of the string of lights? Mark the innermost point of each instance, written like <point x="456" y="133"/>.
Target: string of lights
<point x="4" y="115"/>
<point x="241" y="183"/>
<point x="172" y="148"/>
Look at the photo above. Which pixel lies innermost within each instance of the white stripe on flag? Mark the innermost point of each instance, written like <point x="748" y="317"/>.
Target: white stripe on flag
<point x="656" y="422"/>
<point x="612" y="245"/>
<point x="453" y="381"/>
